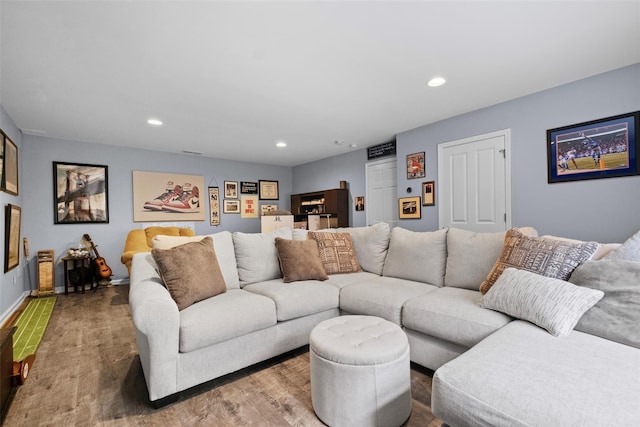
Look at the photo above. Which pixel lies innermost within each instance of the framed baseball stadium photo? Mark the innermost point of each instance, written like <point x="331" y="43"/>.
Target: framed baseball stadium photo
<point x="603" y="148"/>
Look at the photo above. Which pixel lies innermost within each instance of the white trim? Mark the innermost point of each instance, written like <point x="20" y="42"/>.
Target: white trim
<point x="17" y="303"/>
<point x="506" y="134"/>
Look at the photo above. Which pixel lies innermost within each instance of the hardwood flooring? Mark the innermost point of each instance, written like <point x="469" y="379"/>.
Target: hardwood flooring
<point x="87" y="373"/>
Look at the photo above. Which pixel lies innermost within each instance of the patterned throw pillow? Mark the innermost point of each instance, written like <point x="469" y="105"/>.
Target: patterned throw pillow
<point x="300" y="260"/>
<point x="336" y="252"/>
<point x="190" y="272"/>
<point x="552" y="304"/>
<point x="546" y="257"/>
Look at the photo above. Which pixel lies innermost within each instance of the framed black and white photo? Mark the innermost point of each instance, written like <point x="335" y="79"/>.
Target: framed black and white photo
<point x="231" y="206"/>
<point x="9" y="178"/>
<point x="12" y="218"/>
<point x="602" y="148"/>
<point x="231" y="189"/>
<point x="80" y="193"/>
<point x="409" y="208"/>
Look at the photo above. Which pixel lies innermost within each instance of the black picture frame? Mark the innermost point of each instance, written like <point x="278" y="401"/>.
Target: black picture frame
<point x="603" y="148"/>
<point x="9" y="172"/>
<point x="269" y="190"/>
<point x="409" y="208"/>
<point x="80" y="193"/>
<point x="429" y="193"/>
<point x="12" y="220"/>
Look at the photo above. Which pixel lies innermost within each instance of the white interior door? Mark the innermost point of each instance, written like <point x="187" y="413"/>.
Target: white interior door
<point x="474" y="183"/>
<point x="381" y="197"/>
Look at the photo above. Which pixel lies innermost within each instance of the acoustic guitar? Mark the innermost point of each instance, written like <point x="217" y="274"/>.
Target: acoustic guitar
<point x="103" y="270"/>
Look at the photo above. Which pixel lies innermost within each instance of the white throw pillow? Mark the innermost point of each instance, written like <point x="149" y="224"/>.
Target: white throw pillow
<point x="552" y="304"/>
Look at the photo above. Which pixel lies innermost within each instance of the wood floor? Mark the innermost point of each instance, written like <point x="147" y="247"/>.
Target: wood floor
<point x="87" y="373"/>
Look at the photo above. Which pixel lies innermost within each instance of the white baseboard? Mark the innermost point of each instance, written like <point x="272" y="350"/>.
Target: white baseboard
<point x="8" y="312"/>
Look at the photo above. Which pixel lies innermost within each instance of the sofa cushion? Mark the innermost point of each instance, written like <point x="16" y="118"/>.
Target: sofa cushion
<point x="552" y="304"/>
<point x="342" y="280"/>
<point x="256" y="255"/>
<point x="629" y="251"/>
<point x="222" y="244"/>
<point x="190" y="272"/>
<point x="547" y="257"/>
<point x="371" y="244"/>
<point x="299" y="260"/>
<point x="617" y="315"/>
<point x="224" y="317"/>
<point x="298" y="299"/>
<point x="418" y="256"/>
<point x="336" y="252"/>
<point x="382" y="297"/>
<point x="523" y="376"/>
<point x="471" y="255"/>
<point x="454" y="315"/>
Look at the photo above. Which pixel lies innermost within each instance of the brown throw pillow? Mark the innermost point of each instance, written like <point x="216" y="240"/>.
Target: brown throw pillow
<point x="546" y="257"/>
<point x="190" y="272"/>
<point x="299" y="260"/>
<point x="336" y="252"/>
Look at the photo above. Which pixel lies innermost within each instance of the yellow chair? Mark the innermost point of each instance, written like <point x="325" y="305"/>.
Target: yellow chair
<point x="139" y="240"/>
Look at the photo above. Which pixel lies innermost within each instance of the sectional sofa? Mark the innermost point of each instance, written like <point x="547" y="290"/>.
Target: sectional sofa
<point x="490" y="368"/>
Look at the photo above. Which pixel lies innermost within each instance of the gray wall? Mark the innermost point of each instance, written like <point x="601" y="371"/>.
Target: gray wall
<point x="604" y="210"/>
<point x="39" y="153"/>
<point x="12" y="284"/>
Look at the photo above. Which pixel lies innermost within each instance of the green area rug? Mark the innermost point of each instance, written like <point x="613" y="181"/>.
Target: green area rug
<point x="31" y="326"/>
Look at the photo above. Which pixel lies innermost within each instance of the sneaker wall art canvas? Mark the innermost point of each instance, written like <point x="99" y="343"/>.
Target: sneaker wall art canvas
<point x="161" y="196"/>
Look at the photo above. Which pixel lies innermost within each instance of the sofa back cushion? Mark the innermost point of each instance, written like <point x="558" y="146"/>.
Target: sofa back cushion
<point x="616" y="317"/>
<point x="256" y="255"/>
<point x="222" y="244"/>
<point x="418" y="256"/>
<point x="371" y="244"/>
<point x="628" y="251"/>
<point x="471" y="255"/>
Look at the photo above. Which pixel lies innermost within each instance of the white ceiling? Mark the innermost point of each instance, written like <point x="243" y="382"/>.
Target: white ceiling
<point x="230" y="79"/>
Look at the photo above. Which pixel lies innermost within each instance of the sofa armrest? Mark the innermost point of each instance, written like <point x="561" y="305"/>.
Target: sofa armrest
<point x="157" y="322"/>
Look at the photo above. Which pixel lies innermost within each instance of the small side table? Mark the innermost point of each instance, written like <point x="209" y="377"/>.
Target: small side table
<point x="81" y="262"/>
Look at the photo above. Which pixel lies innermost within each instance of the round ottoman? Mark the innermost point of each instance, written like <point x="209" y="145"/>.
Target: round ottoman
<point x="360" y="374"/>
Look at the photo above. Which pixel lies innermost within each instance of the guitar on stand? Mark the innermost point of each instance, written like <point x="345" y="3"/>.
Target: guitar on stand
<point x="103" y="271"/>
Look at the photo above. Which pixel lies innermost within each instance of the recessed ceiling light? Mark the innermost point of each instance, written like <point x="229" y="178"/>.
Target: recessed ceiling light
<point x="338" y="142"/>
<point x="436" y="81"/>
<point x="281" y="144"/>
<point x="353" y="145"/>
<point x="154" y="122"/>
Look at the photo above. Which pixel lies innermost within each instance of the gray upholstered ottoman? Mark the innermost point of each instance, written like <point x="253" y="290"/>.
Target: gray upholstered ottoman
<point x="360" y="373"/>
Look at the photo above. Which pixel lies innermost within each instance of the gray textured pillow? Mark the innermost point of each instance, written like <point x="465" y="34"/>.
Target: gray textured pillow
<point x="190" y="272"/>
<point x="417" y="255"/>
<point x="300" y="260"/>
<point x="615" y="317"/>
<point x="552" y="304"/>
<point x="629" y="251"/>
<point x="547" y="257"/>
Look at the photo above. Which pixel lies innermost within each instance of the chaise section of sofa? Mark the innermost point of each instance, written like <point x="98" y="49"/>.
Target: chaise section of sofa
<point x="523" y="376"/>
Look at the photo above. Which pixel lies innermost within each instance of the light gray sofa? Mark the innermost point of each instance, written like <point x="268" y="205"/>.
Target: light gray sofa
<point x="490" y="369"/>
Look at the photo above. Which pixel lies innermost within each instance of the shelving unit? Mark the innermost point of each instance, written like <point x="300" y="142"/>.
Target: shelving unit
<point x="332" y="206"/>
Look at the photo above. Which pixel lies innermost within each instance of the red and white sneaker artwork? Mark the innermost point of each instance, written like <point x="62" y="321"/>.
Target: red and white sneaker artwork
<point x="172" y="192"/>
<point x="189" y="201"/>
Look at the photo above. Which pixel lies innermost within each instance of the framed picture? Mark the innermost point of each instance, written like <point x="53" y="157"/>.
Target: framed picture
<point x="9" y="166"/>
<point x="267" y="209"/>
<point x="601" y="148"/>
<point x="12" y="218"/>
<point x="415" y="166"/>
<point x="159" y="196"/>
<point x="409" y="208"/>
<point x="214" y="206"/>
<point x="231" y="207"/>
<point x="80" y="193"/>
<point x="269" y="190"/>
<point x="428" y="193"/>
<point x="249" y="207"/>
<point x="248" y="187"/>
<point x="359" y="203"/>
<point x="231" y="189"/>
